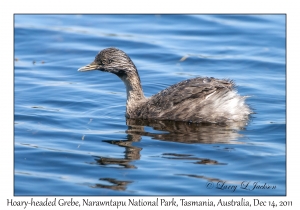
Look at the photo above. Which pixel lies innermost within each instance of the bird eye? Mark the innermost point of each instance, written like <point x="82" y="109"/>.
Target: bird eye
<point x="106" y="61"/>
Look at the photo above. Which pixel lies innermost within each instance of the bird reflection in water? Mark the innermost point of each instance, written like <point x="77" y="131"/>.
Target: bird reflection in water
<point x="189" y="133"/>
<point x="172" y="131"/>
<point x="115" y="184"/>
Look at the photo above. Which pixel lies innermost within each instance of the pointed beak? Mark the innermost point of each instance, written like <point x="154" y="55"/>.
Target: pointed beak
<point x="89" y="67"/>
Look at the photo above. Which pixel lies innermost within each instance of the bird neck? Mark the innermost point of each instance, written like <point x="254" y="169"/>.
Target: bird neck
<point x="133" y="87"/>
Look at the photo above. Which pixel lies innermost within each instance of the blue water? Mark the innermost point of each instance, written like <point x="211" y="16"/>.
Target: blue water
<point x="71" y="136"/>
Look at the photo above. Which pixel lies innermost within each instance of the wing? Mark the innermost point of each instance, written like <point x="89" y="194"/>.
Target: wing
<point x="174" y="101"/>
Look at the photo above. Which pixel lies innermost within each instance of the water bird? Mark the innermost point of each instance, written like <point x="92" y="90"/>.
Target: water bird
<point x="197" y="100"/>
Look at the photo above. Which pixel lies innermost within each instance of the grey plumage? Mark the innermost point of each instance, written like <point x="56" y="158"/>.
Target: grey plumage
<point x="196" y="100"/>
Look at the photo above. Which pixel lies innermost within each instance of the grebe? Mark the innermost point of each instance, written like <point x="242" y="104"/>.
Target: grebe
<point x="197" y="100"/>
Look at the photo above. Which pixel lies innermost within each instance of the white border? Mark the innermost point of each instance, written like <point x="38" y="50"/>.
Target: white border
<point x="8" y="8"/>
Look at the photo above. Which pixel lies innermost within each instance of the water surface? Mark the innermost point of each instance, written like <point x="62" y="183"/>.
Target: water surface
<point x="71" y="136"/>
